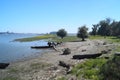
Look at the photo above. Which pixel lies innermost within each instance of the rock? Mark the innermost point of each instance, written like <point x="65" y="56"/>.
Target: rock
<point x="86" y="56"/>
<point x="109" y="49"/>
<point x="66" y="51"/>
<point x="53" y="68"/>
<point x="105" y="43"/>
<point x="83" y="50"/>
<point x="63" y="64"/>
<point x="3" y="65"/>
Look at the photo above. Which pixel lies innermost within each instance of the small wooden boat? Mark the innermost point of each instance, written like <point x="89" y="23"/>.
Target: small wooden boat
<point x="41" y="47"/>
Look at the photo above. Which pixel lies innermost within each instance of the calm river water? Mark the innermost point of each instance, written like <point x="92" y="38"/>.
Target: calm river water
<point x="11" y="51"/>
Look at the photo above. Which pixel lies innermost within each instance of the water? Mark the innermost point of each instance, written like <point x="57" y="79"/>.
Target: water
<point x="12" y="51"/>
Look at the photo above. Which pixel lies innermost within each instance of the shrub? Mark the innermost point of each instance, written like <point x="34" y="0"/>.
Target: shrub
<point x="111" y="70"/>
<point x="66" y="51"/>
<point x="89" y="70"/>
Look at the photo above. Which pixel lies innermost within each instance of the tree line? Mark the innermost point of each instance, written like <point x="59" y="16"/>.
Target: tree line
<point x="107" y="27"/>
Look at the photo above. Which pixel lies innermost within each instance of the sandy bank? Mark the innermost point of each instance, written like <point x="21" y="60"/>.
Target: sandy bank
<point x="45" y="67"/>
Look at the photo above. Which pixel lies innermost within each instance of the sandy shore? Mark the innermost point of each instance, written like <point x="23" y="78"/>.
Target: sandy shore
<point x="45" y="66"/>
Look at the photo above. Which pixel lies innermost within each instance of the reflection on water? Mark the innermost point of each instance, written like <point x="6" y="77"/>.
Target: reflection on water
<point x="11" y="51"/>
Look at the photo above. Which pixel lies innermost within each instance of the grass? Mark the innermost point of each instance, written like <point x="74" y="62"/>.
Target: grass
<point x="114" y="39"/>
<point x="96" y="37"/>
<point x="89" y="69"/>
<point x="111" y="70"/>
<point x="62" y="78"/>
<point x="10" y="78"/>
<point x="66" y="39"/>
<point x="33" y="66"/>
<point x="39" y="65"/>
<point x="13" y="70"/>
<point x="111" y="39"/>
<point x="117" y="49"/>
<point x="47" y="36"/>
<point x="54" y="38"/>
<point x="50" y="38"/>
<point x="99" y="68"/>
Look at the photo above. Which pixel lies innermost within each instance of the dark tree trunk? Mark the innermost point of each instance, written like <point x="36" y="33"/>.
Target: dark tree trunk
<point x="83" y="39"/>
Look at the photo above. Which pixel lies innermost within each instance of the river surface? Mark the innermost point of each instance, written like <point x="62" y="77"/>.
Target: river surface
<point x="11" y="51"/>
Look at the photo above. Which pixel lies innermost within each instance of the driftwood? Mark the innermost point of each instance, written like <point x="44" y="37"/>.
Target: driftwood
<point x="86" y="56"/>
<point x="117" y="54"/>
<point x="106" y="57"/>
<point x="63" y="64"/>
<point x="104" y="51"/>
<point x="83" y="50"/>
<point x="4" y="65"/>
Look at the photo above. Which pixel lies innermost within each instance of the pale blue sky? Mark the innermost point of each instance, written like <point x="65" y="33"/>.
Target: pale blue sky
<point x="42" y="16"/>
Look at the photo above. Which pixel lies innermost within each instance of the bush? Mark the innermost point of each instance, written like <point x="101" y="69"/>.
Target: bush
<point x="111" y="70"/>
<point x="88" y="70"/>
<point x="66" y="51"/>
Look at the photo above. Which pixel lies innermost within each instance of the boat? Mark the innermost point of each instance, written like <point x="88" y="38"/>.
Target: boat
<point x="41" y="47"/>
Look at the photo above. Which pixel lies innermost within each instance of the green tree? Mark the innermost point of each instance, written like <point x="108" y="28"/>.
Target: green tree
<point x="82" y="32"/>
<point x="115" y="28"/>
<point x="105" y="28"/>
<point x="62" y="33"/>
<point x="95" y="29"/>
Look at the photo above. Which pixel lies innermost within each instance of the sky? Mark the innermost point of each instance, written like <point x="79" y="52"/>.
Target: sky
<point x="44" y="16"/>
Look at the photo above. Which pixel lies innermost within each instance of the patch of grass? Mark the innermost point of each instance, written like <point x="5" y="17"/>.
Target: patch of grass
<point x="10" y="78"/>
<point x="39" y="65"/>
<point x="111" y="39"/>
<point x="117" y="49"/>
<point x="62" y="78"/>
<point x="114" y="40"/>
<point x="96" y="37"/>
<point x="50" y="37"/>
<point x="66" y="39"/>
<point x="89" y="69"/>
<point x="13" y="70"/>
<point x="47" y="36"/>
<point x="18" y="70"/>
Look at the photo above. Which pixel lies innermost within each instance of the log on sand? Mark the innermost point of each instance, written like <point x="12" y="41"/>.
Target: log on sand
<point x="86" y="56"/>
